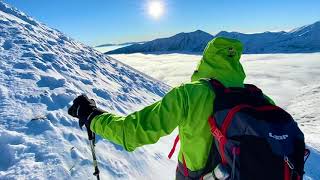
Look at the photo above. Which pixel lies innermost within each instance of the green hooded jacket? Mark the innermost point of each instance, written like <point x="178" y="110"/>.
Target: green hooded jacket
<point x="186" y="107"/>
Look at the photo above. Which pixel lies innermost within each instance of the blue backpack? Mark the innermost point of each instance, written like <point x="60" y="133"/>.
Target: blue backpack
<point x="255" y="139"/>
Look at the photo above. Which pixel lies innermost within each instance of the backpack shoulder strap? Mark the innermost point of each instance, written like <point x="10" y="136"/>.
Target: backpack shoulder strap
<point x="232" y="96"/>
<point x="253" y="89"/>
<point x="217" y="86"/>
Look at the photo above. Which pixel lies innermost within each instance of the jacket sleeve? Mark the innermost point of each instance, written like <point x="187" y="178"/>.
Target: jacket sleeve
<point x="145" y="126"/>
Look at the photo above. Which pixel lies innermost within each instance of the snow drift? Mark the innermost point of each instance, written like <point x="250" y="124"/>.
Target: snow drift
<point x="41" y="72"/>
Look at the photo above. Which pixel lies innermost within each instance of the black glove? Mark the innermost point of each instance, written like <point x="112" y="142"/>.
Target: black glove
<point x="85" y="110"/>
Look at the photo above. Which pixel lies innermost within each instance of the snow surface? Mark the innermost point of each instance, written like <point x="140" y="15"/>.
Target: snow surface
<point x="292" y="80"/>
<point x="41" y="72"/>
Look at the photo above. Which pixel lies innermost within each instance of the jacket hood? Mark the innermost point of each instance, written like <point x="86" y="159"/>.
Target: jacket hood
<point x="220" y="60"/>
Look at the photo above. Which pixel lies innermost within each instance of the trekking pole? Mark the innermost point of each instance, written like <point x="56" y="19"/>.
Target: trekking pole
<point x="92" y="139"/>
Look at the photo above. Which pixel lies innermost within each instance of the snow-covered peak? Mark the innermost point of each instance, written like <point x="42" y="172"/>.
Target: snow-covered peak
<point x="182" y="42"/>
<point x="41" y="72"/>
<point x="313" y="26"/>
<point x="303" y="39"/>
<point x="195" y="34"/>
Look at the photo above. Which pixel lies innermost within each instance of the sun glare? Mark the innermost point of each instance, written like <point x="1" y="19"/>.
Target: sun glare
<point x="155" y="8"/>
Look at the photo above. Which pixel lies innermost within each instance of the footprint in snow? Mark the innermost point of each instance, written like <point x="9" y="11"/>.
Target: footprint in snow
<point x="40" y="65"/>
<point x="56" y="101"/>
<point x="102" y="93"/>
<point x="49" y="57"/>
<point x="39" y="126"/>
<point x="51" y="82"/>
<point x="7" y="45"/>
<point x="22" y="65"/>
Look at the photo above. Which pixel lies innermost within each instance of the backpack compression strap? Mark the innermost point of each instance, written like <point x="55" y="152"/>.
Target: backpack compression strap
<point x="185" y="169"/>
<point x="223" y="94"/>
<point x="220" y="88"/>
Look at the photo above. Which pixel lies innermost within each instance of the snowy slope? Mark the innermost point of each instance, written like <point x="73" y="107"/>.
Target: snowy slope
<point x="291" y="80"/>
<point x="305" y="108"/>
<point x="300" y="40"/>
<point x="41" y="71"/>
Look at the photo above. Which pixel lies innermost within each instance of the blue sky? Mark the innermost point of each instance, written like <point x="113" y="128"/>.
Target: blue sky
<point x="112" y="21"/>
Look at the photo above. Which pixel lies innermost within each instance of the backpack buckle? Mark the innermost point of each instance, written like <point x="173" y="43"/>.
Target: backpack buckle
<point x="216" y="131"/>
<point x="218" y="134"/>
<point x="286" y="159"/>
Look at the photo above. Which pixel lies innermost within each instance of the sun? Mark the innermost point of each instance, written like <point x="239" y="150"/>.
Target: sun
<point x="156" y="8"/>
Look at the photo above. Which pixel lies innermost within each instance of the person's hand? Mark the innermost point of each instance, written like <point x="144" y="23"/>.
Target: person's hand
<point x="85" y="110"/>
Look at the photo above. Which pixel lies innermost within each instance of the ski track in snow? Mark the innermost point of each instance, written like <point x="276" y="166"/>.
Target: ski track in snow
<point x="292" y="80"/>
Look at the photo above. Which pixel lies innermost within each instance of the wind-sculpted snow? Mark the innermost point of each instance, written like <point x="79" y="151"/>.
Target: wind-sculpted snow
<point x="41" y="72"/>
<point x="306" y="109"/>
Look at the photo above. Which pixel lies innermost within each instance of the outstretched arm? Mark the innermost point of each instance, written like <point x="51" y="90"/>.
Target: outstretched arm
<point x="145" y="126"/>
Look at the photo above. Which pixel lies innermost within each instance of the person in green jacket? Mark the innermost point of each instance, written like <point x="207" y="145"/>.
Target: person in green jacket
<point x="186" y="107"/>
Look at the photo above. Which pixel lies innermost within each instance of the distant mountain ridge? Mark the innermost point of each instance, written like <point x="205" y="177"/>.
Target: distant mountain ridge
<point x="304" y="39"/>
<point x="186" y="42"/>
<point x="119" y="44"/>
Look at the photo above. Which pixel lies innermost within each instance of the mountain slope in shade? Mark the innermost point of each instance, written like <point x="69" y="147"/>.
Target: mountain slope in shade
<point x="182" y="42"/>
<point x="41" y="72"/>
<point x="301" y="40"/>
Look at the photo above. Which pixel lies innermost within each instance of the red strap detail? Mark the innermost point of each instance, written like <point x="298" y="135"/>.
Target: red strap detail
<point x="233" y="111"/>
<point x="219" y="137"/>
<point x="286" y="171"/>
<point x="227" y="90"/>
<point x="236" y="150"/>
<point x="173" y="147"/>
<point x="306" y="152"/>
<point x="214" y="129"/>
<point x="185" y="169"/>
<point x="298" y="177"/>
<point x="217" y="83"/>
